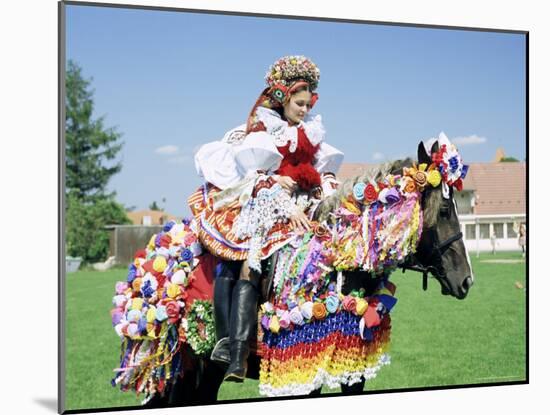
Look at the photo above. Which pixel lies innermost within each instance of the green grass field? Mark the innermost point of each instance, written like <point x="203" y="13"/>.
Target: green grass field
<point x="436" y="340"/>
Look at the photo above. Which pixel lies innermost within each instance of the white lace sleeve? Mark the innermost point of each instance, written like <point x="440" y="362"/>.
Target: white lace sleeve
<point x="328" y="159"/>
<point x="216" y="164"/>
<point x="257" y="152"/>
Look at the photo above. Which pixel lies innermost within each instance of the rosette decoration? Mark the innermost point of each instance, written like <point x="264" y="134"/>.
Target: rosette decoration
<point x="449" y="163"/>
<point x="161" y="307"/>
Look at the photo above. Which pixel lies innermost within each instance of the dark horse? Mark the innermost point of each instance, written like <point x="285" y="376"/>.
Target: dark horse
<point x="440" y="252"/>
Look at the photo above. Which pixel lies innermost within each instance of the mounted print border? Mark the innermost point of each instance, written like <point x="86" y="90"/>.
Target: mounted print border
<point x="187" y="140"/>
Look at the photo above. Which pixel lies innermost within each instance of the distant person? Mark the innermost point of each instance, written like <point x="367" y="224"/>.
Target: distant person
<point x="493" y="243"/>
<point x="522" y="238"/>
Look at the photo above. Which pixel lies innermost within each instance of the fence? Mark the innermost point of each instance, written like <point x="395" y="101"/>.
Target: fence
<point x="125" y="240"/>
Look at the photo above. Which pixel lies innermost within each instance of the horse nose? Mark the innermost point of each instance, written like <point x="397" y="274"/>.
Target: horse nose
<point x="467" y="283"/>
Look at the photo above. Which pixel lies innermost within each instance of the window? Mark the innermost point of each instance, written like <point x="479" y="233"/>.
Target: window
<point x="498" y="228"/>
<point x="471" y="231"/>
<point x="511" y="231"/>
<point x="483" y="231"/>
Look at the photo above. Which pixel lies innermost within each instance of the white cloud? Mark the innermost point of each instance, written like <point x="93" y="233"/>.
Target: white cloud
<point x="167" y="150"/>
<point x="378" y="156"/>
<point x="469" y="140"/>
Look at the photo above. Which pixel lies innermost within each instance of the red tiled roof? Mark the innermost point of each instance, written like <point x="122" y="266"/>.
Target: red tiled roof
<point x="500" y="188"/>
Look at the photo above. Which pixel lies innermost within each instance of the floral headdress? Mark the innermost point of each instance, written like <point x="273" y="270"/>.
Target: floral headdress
<point x="283" y="78"/>
<point x="288" y="69"/>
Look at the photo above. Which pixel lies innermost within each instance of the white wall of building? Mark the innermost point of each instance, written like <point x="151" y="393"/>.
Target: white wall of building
<point x="477" y="231"/>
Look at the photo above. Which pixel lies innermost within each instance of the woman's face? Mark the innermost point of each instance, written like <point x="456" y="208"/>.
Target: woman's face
<point x="297" y="106"/>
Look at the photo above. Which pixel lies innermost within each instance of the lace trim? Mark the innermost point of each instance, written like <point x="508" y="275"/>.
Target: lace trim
<point x="270" y="206"/>
<point x="283" y="133"/>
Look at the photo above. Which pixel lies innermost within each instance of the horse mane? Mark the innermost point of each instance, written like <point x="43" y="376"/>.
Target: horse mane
<point x="431" y="201"/>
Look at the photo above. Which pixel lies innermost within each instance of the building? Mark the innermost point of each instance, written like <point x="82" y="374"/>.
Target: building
<point x="493" y="201"/>
<point x="151" y="217"/>
<point x="125" y="240"/>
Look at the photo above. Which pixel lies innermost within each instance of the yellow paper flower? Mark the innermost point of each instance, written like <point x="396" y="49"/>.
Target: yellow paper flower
<point x="274" y="325"/>
<point x="151" y="244"/>
<point x="173" y="290"/>
<point x="361" y="306"/>
<point x="137" y="303"/>
<point x="136" y="284"/>
<point x="350" y="206"/>
<point x="159" y="264"/>
<point x="151" y="315"/>
<point x="434" y="178"/>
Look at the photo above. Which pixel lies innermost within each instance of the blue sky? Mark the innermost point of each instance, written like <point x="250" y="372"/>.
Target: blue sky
<point x="172" y="81"/>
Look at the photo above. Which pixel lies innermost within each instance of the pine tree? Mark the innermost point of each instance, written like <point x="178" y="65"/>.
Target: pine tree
<point x="90" y="151"/>
<point x="90" y="147"/>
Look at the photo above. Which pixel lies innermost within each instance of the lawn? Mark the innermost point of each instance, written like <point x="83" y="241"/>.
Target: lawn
<point x="436" y="340"/>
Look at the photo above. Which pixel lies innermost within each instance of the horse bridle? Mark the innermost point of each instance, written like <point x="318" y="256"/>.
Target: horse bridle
<point x="438" y="250"/>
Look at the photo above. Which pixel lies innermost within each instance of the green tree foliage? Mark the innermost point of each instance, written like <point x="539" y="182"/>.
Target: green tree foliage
<point x="508" y="159"/>
<point x="86" y="235"/>
<point x="154" y="206"/>
<point x="91" y="148"/>
<point x="90" y="153"/>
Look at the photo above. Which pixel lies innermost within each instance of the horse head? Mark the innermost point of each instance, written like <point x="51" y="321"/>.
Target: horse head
<point x="441" y="249"/>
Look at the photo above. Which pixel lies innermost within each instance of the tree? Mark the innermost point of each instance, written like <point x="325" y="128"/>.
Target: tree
<point x="86" y="235"/>
<point x="508" y="159"/>
<point x="154" y="206"/>
<point x="90" y="147"/>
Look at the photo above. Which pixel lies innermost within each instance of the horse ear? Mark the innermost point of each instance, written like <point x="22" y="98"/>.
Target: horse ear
<point x="435" y="147"/>
<point x="423" y="156"/>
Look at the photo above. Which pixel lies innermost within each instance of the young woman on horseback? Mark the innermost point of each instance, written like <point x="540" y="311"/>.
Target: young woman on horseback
<point x="263" y="181"/>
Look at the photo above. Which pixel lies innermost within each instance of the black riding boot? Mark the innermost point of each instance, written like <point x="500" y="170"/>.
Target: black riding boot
<point x="243" y="326"/>
<point x="223" y="292"/>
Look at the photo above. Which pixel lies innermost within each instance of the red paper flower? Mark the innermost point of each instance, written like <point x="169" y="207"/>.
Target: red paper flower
<point x="370" y="193"/>
<point x="173" y="311"/>
<point x="165" y="241"/>
<point x="458" y="184"/>
<point x="140" y="253"/>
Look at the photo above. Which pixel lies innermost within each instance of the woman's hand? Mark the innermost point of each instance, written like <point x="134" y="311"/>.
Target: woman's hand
<point x="287" y="183"/>
<point x="299" y="222"/>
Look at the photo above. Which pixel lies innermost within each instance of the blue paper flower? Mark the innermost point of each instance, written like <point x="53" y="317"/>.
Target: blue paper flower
<point x="157" y="240"/>
<point x="464" y="171"/>
<point x="147" y="290"/>
<point x="359" y="191"/>
<point x="131" y="273"/>
<point x="453" y="162"/>
<point x="168" y="226"/>
<point x="186" y="255"/>
<point x="142" y="325"/>
<point x="332" y="303"/>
